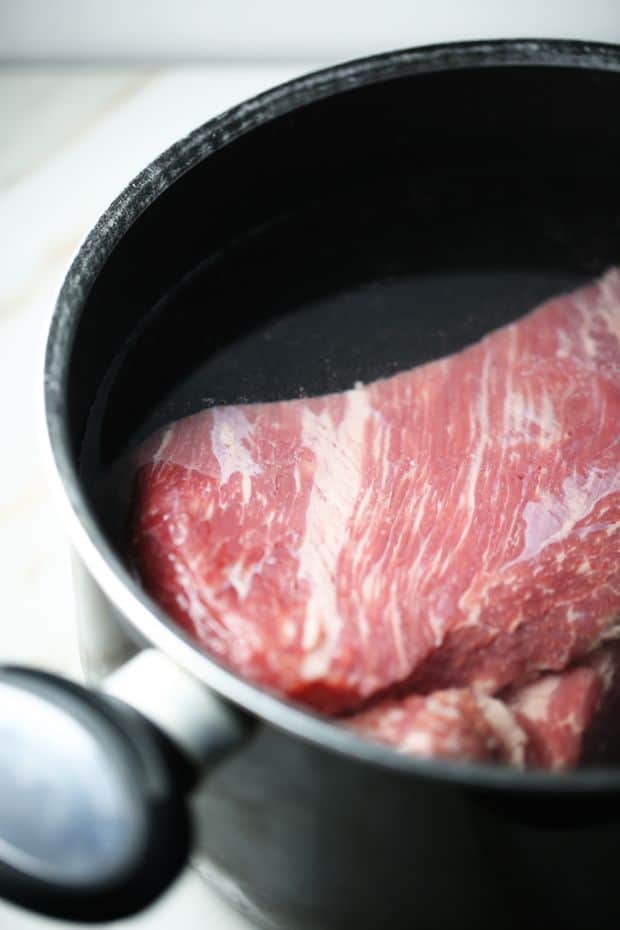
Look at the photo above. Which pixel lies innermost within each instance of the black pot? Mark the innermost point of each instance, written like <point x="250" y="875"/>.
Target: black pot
<point x="360" y="220"/>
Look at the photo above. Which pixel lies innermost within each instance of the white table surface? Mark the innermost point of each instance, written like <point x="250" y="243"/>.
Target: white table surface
<point x="71" y="139"/>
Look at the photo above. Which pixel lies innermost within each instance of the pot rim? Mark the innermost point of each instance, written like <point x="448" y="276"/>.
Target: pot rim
<point x="137" y="610"/>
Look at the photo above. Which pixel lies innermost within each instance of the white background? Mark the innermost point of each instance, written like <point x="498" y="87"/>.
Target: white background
<point x="281" y="29"/>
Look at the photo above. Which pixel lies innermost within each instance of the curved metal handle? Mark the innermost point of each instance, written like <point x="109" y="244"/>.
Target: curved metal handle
<point x="94" y="821"/>
<point x="193" y="717"/>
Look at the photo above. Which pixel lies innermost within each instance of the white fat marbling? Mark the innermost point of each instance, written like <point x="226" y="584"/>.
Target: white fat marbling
<point x="337" y="450"/>
<point x="230" y="435"/>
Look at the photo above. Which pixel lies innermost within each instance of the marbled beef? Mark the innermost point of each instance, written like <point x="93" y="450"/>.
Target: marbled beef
<point x="457" y="524"/>
<point x="543" y="724"/>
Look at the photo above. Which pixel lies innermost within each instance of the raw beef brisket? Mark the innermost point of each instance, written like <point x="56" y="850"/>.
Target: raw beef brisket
<point x="456" y="723"/>
<point x="454" y="525"/>
<point x="542" y="724"/>
<point x="558" y="710"/>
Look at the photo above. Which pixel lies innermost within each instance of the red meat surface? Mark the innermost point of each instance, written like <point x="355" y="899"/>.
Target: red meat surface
<point x="456" y="723"/>
<point x="457" y="524"/>
<point x="542" y="724"/>
<point x="557" y="711"/>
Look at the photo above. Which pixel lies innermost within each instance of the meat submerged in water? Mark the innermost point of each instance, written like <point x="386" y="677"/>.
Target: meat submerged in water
<point x="453" y="525"/>
<point x="456" y="723"/>
<point x="559" y="712"/>
<point x="543" y="724"/>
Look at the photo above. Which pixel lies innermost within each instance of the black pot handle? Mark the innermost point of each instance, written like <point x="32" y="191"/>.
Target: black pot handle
<point x="94" y="820"/>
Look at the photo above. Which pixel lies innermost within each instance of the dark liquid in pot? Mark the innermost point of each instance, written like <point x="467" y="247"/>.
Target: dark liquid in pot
<point x="355" y="236"/>
<point x="361" y="334"/>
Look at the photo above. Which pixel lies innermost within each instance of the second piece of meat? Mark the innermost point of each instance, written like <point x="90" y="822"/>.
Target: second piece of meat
<point x="544" y="724"/>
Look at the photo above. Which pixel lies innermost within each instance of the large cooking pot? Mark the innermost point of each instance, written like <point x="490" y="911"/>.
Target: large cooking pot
<point x="348" y="224"/>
